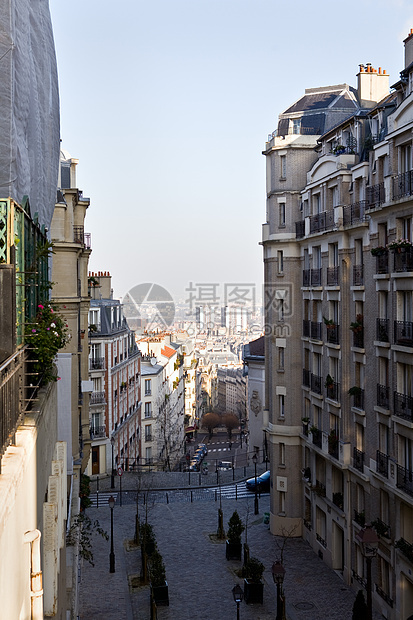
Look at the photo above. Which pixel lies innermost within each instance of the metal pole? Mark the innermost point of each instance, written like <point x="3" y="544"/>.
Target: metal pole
<point x="237" y="610"/>
<point x="369" y="599"/>
<point x="256" y="509"/>
<point x="112" y="553"/>
<point x="112" y="477"/>
<point x="279" y="610"/>
<point x="120" y="489"/>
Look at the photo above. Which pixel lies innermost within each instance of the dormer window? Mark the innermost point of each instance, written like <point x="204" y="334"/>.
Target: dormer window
<point x="296" y="125"/>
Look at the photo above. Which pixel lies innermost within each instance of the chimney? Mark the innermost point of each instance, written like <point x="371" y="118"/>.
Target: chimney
<point x="372" y="85"/>
<point x="408" y="49"/>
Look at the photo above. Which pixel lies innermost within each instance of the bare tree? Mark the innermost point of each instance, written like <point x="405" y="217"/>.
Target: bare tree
<point x="210" y="421"/>
<point x="231" y="422"/>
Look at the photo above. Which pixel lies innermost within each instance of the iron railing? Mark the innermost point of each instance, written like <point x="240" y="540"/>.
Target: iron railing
<point x="11" y="399"/>
<point x="405" y="479"/>
<point x="316" y="383"/>
<point x="403" y="185"/>
<point x="333" y="334"/>
<point x="315" y="330"/>
<point x="382" y="463"/>
<point x="358" y="339"/>
<point x="403" y="333"/>
<point x="97" y="398"/>
<point x="355" y="213"/>
<point x="376" y="195"/>
<point x="306" y="277"/>
<point x="403" y="406"/>
<point x="318" y="222"/>
<point x="383" y="396"/>
<point x="306" y="377"/>
<point x="97" y="432"/>
<point x="97" y="363"/>
<point x="300" y="229"/>
<point x="382" y="263"/>
<point x="333" y="391"/>
<point x="306" y="328"/>
<point x="358" y="459"/>
<point x="316" y="275"/>
<point x="359" y="517"/>
<point x="403" y="260"/>
<point x="358" y="275"/>
<point x="317" y="440"/>
<point x="358" y="399"/>
<point x="332" y="276"/>
<point x="382" y="330"/>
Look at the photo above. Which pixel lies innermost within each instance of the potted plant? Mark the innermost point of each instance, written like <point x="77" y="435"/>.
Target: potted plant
<point x="355" y="390"/>
<point x="357" y="326"/>
<point x="378" y="251"/>
<point x="329" y="323"/>
<point x="253" y="584"/>
<point x="313" y="429"/>
<point x="159" y="585"/>
<point x="399" y="244"/>
<point x="148" y="539"/>
<point x="233" y="543"/>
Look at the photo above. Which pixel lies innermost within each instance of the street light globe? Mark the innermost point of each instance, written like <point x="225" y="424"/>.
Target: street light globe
<point x="237" y="593"/>
<point x="278" y="572"/>
<point x="369" y="541"/>
<point x="254" y="458"/>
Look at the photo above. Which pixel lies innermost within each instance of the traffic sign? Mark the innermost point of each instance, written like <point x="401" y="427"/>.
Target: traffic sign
<point x="120" y="471"/>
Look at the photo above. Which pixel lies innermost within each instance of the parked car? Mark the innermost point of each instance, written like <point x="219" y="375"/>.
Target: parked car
<point x="224" y="465"/>
<point x="263" y="482"/>
<point x="201" y="447"/>
<point x="194" y="466"/>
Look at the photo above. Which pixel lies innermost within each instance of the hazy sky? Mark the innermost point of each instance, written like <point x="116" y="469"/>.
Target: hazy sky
<point x="167" y="104"/>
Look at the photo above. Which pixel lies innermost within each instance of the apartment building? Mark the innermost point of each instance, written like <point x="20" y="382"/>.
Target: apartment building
<point x="115" y="373"/>
<point x="338" y="254"/>
<point x="257" y="417"/>
<point x="163" y="401"/>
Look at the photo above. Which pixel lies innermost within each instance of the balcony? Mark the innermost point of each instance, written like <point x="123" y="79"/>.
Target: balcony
<point x="403" y="185"/>
<point x="333" y="444"/>
<point x="403" y="406"/>
<point x="317" y="440"/>
<point x="376" y="195"/>
<point x="320" y="488"/>
<point x="338" y="499"/>
<point x="403" y="260"/>
<point x="11" y="407"/>
<point x="316" y="384"/>
<point x="79" y="236"/>
<point x="306" y="377"/>
<point x="405" y="479"/>
<point x="403" y="333"/>
<point x="148" y="437"/>
<point x="405" y="547"/>
<point x="333" y="391"/>
<point x="358" y="339"/>
<point x="382" y="529"/>
<point x="306" y="277"/>
<point x="358" y="275"/>
<point x="358" y="459"/>
<point x="360" y="517"/>
<point x="382" y="263"/>
<point x="315" y="330"/>
<point x="333" y="276"/>
<point x="321" y="221"/>
<point x="300" y="229"/>
<point x="306" y="328"/>
<point x="97" y="363"/>
<point x="97" y="432"/>
<point x="333" y="334"/>
<point x="382" y="464"/>
<point x="384" y="595"/>
<point x="355" y="213"/>
<point x="382" y="330"/>
<point x="316" y="277"/>
<point x="383" y="396"/>
<point x="97" y="398"/>
<point x="358" y="396"/>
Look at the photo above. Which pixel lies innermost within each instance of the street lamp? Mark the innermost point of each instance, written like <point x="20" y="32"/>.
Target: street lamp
<point x="238" y="595"/>
<point x="112" y="477"/>
<point x="254" y="460"/>
<point x="369" y="542"/>
<point x="111" y="502"/>
<point x="278" y="572"/>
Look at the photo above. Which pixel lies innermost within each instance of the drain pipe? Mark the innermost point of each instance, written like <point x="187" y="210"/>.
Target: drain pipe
<point x="36" y="587"/>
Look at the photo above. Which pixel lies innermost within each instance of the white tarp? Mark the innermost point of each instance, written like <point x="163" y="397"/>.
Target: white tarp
<point x="29" y="106"/>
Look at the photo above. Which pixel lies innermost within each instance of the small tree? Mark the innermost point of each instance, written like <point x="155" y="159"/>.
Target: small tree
<point x="231" y="422"/>
<point x="359" y="607"/>
<point x="235" y="528"/>
<point x="254" y="570"/>
<point x="81" y="532"/>
<point x="210" y="421"/>
<point x="157" y="569"/>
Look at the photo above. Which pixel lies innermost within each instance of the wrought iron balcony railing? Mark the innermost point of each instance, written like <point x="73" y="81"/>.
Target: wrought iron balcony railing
<point x="405" y="479"/>
<point x="315" y="330"/>
<point x="97" y="398"/>
<point x="376" y="195"/>
<point x="333" y="391"/>
<point x="306" y="377"/>
<point x="333" y="334"/>
<point x="358" y="275"/>
<point x="300" y="229"/>
<point x="358" y="459"/>
<point x="382" y="263"/>
<point x="11" y="406"/>
<point x="358" y="399"/>
<point x="97" y="363"/>
<point x="403" y="333"/>
<point x="316" y="276"/>
<point x="382" y="463"/>
<point x="358" y="339"/>
<point x="306" y="328"/>
<point x="306" y="277"/>
<point x="403" y="406"/>
<point x="383" y="396"/>
<point x="384" y="595"/>
<point x="355" y="213"/>
<point x="403" y="185"/>
<point x="333" y="276"/>
<point x="403" y="260"/>
<point x="382" y="330"/>
<point x="360" y="517"/>
<point x="316" y="384"/>
<point x="317" y="439"/>
<point x="97" y="432"/>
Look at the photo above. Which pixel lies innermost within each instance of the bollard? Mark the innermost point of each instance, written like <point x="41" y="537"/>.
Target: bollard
<point x="97" y="492"/>
<point x="236" y="492"/>
<point x="191" y="498"/>
<point x="167" y="498"/>
<point x="199" y="478"/>
<point x="245" y="471"/>
<point x="216" y="497"/>
<point x="189" y="478"/>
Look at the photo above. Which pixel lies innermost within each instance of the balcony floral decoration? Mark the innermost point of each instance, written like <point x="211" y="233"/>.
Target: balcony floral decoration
<point x="379" y="250"/>
<point x="357" y="326"/>
<point x="46" y="336"/>
<point x="400" y="244"/>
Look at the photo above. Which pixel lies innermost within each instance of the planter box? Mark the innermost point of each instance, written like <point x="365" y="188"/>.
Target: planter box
<point x="160" y="594"/>
<point x="253" y="591"/>
<point x="233" y="551"/>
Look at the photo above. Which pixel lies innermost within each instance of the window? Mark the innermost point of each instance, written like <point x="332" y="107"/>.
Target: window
<point x="281" y="403"/>
<point x="280" y="255"/>
<point x="321" y="526"/>
<point x="283" y="166"/>
<point x="148" y="455"/>
<point x="333" y="254"/>
<point x="282" y="453"/>
<point x="148" y="410"/>
<point x="296" y="125"/>
<point x="148" y="387"/>
<point x="281" y="207"/>
<point x="383" y="439"/>
<point x="280" y="358"/>
<point x="148" y="432"/>
<point x="405" y="158"/>
<point x="360" y="437"/>
<point x="316" y="204"/>
<point x="282" y="502"/>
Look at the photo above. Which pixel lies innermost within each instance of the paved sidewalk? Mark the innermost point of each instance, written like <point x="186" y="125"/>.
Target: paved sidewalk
<point x="200" y="578"/>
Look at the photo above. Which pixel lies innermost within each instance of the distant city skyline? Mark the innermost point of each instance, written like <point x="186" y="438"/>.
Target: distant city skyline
<point x="167" y="105"/>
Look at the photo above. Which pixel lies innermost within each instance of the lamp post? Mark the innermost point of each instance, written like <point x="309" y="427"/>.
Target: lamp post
<point x="254" y="460"/>
<point x="278" y="572"/>
<point x="369" y="543"/>
<point x="111" y="503"/>
<point x="112" y="477"/>
<point x="238" y="595"/>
